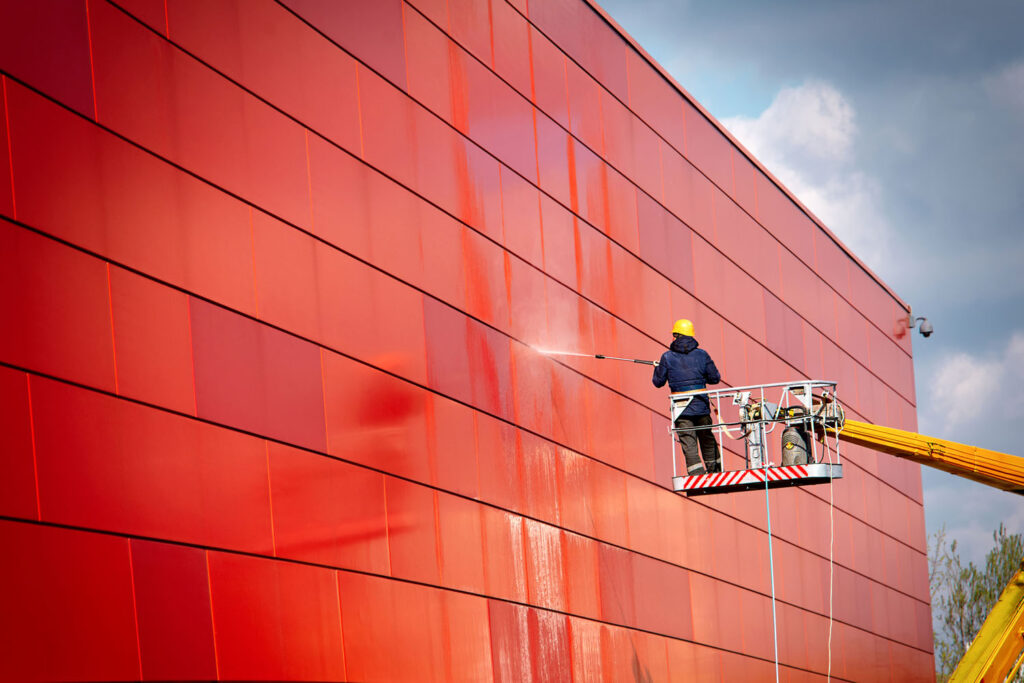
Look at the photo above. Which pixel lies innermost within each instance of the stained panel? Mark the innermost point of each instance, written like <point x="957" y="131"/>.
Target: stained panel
<point x="6" y="183"/>
<point x="256" y="378"/>
<point x="157" y="96"/>
<point x="290" y="609"/>
<point x="172" y="598"/>
<point x="18" y="483"/>
<point x="370" y="31"/>
<point x="152" y="341"/>
<point x="327" y="511"/>
<point x="272" y="52"/>
<point x="46" y="44"/>
<point x="58" y="301"/>
<point x="196" y="237"/>
<point x="376" y="613"/>
<point x="143" y="471"/>
<point x="69" y="612"/>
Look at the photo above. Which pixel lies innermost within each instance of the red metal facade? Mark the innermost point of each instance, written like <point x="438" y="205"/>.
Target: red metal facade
<point x="269" y="277"/>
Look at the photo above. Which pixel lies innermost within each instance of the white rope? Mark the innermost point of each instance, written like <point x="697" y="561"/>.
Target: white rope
<point x="831" y="542"/>
<point x="771" y="566"/>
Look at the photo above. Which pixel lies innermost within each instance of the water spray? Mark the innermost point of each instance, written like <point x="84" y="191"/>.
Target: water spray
<point x="548" y="352"/>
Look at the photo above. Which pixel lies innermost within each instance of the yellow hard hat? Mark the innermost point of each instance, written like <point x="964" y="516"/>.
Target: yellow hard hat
<point x="683" y="326"/>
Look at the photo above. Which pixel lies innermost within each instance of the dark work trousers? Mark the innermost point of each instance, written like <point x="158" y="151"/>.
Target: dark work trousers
<point x="712" y="461"/>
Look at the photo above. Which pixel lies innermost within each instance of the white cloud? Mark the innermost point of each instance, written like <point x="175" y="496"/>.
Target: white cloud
<point x="807" y="137"/>
<point x="976" y="394"/>
<point x="813" y="120"/>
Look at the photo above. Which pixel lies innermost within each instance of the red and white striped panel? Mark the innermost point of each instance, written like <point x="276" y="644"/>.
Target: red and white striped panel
<point x="735" y="477"/>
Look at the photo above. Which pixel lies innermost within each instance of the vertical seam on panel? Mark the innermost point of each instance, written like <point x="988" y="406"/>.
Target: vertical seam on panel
<point x="625" y="496"/>
<point x="835" y="314"/>
<point x="574" y="196"/>
<point x="778" y="263"/>
<point x="446" y="640"/>
<point x="568" y="638"/>
<point x="536" y="146"/>
<point x="629" y="85"/>
<point x="821" y="351"/>
<point x="213" y="621"/>
<point x="323" y="399"/>
<point x="387" y="525"/>
<point x="490" y="24"/>
<point x="495" y="656"/>
<point x="113" y="341"/>
<point x="341" y="625"/>
<point x="92" y="68"/>
<point x="405" y="50"/>
<point x="732" y="171"/>
<point x="533" y="100"/>
<point x="501" y="205"/>
<point x="476" y="448"/>
<point x="526" y="557"/>
<point x="757" y="208"/>
<point x="438" y="552"/>
<point x="359" y="112"/>
<point x="577" y="245"/>
<point x="529" y="55"/>
<point x="309" y="182"/>
<point x="485" y="565"/>
<point x="543" y="265"/>
<point x="714" y="223"/>
<point x="135" y="608"/>
<point x="661" y="171"/>
<point x="252" y="249"/>
<point x="270" y="499"/>
<point x="636" y="210"/>
<point x="32" y="435"/>
<point x="565" y="573"/>
<point x="192" y="355"/>
<point x="10" y="149"/>
<point x="167" y="22"/>
<point x="507" y="263"/>
<point x="568" y="105"/>
<point x="682" y="115"/>
<point x="764" y="307"/>
<point x="430" y="415"/>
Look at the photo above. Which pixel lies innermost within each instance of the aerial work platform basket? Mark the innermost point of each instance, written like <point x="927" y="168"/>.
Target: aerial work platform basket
<point x="806" y="416"/>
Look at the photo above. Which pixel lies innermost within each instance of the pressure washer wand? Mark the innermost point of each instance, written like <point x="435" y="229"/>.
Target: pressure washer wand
<point x="628" y="360"/>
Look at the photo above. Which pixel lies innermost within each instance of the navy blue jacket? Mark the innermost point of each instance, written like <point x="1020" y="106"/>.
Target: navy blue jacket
<point x="686" y="367"/>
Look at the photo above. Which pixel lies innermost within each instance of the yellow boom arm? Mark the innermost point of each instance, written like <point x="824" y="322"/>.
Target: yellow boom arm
<point x="978" y="464"/>
<point x="996" y="651"/>
<point x="995" y="654"/>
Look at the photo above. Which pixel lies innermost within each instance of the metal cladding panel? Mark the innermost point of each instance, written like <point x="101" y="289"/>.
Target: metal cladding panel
<point x="272" y="275"/>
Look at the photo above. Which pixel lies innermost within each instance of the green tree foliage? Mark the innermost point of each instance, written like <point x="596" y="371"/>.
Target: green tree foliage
<point x="963" y="595"/>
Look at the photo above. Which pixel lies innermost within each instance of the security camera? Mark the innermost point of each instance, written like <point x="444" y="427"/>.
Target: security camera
<point x="910" y="322"/>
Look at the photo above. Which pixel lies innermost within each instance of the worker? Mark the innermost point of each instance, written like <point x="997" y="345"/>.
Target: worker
<point x="686" y="367"/>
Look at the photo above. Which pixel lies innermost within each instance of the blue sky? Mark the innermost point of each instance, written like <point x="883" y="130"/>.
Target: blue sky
<point x="901" y="125"/>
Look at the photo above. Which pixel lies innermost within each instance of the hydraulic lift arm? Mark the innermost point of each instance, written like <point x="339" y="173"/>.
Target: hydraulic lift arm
<point x="996" y="469"/>
<point x="996" y="652"/>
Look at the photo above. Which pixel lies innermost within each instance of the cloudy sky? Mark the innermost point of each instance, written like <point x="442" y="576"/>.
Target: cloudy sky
<point x="901" y="125"/>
